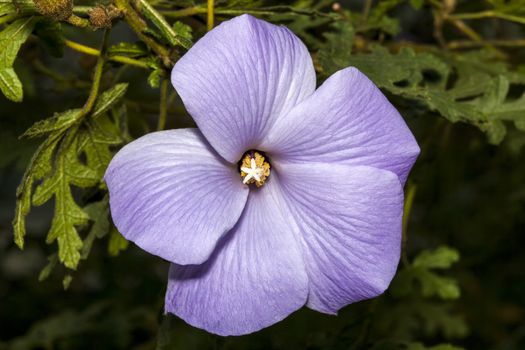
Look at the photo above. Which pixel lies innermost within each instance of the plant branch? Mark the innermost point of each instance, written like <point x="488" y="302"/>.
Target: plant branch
<point x="163" y="108"/>
<point x="97" y="76"/>
<point x="78" y="21"/>
<point x="489" y="14"/>
<point x="460" y="44"/>
<point x="138" y="25"/>
<point x="211" y="14"/>
<point x="115" y="58"/>
<point x="263" y="11"/>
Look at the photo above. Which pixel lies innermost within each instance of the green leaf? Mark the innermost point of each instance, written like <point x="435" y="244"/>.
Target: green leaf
<point x="52" y="261"/>
<point x="66" y="282"/>
<point x="11" y="39"/>
<point x="441" y="258"/>
<point x="39" y="166"/>
<point x="95" y="142"/>
<point x="417" y="4"/>
<point x="164" y="28"/>
<point x="337" y="51"/>
<point x="68" y="216"/>
<point x="116" y="243"/>
<point x="58" y="122"/>
<point x="183" y="30"/>
<point x="435" y="285"/>
<point x="10" y="85"/>
<point x="98" y="214"/>
<point x="477" y="92"/>
<point x="154" y="78"/>
<point x="108" y="99"/>
<point x="420" y="273"/>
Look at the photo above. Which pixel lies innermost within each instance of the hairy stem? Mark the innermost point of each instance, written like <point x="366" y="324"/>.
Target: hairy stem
<point x="78" y="21"/>
<point x="211" y="14"/>
<point x="97" y="76"/>
<point x="459" y="44"/>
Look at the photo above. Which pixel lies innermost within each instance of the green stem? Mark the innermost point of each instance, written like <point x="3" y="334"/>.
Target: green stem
<point x="97" y="76"/>
<point x="82" y="10"/>
<point x="366" y="9"/>
<point x="78" y="21"/>
<point x="115" y="58"/>
<point x="470" y="44"/>
<point x="489" y="14"/>
<point x="211" y="15"/>
<point x="163" y="109"/>
<point x="411" y="193"/>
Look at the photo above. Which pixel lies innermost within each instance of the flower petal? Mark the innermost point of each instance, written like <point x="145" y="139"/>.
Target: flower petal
<point x="173" y="196"/>
<point x="347" y="120"/>
<point x="255" y="278"/>
<point x="350" y="223"/>
<point x="239" y="78"/>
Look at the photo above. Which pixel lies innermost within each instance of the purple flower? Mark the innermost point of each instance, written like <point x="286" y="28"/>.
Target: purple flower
<point x="285" y="196"/>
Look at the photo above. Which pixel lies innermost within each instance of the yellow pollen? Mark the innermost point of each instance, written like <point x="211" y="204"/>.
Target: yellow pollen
<point x="254" y="169"/>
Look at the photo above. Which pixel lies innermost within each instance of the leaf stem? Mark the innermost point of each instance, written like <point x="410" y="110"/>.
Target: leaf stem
<point x="489" y="14"/>
<point x="460" y="44"/>
<point x="163" y="109"/>
<point x="211" y="14"/>
<point x="94" y="52"/>
<point x="97" y="76"/>
<point x="78" y="21"/>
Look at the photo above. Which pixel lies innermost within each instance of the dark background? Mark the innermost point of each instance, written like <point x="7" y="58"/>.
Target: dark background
<point x="470" y="196"/>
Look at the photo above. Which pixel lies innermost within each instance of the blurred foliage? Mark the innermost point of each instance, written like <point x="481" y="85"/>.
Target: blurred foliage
<point x="76" y="92"/>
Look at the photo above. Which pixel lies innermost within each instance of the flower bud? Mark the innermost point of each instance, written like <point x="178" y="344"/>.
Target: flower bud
<point x="58" y="10"/>
<point x="103" y="16"/>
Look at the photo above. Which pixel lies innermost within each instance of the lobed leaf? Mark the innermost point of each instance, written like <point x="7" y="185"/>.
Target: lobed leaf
<point x="108" y="99"/>
<point x="441" y="258"/>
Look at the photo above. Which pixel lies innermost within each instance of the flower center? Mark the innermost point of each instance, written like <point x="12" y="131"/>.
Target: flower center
<point x="254" y="168"/>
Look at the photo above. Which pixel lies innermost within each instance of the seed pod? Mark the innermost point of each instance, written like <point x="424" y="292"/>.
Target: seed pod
<point x="59" y="10"/>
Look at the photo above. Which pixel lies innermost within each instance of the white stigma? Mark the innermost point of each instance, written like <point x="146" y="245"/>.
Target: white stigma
<point x="253" y="172"/>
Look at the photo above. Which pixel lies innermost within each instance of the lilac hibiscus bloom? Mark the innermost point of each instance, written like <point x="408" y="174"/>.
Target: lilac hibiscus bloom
<point x="285" y="196"/>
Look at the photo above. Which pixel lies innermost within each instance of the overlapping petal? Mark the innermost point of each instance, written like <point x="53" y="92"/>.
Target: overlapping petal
<point x="255" y="278"/>
<point x="350" y="221"/>
<point x="347" y="121"/>
<point x="173" y="196"/>
<point x="239" y="78"/>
